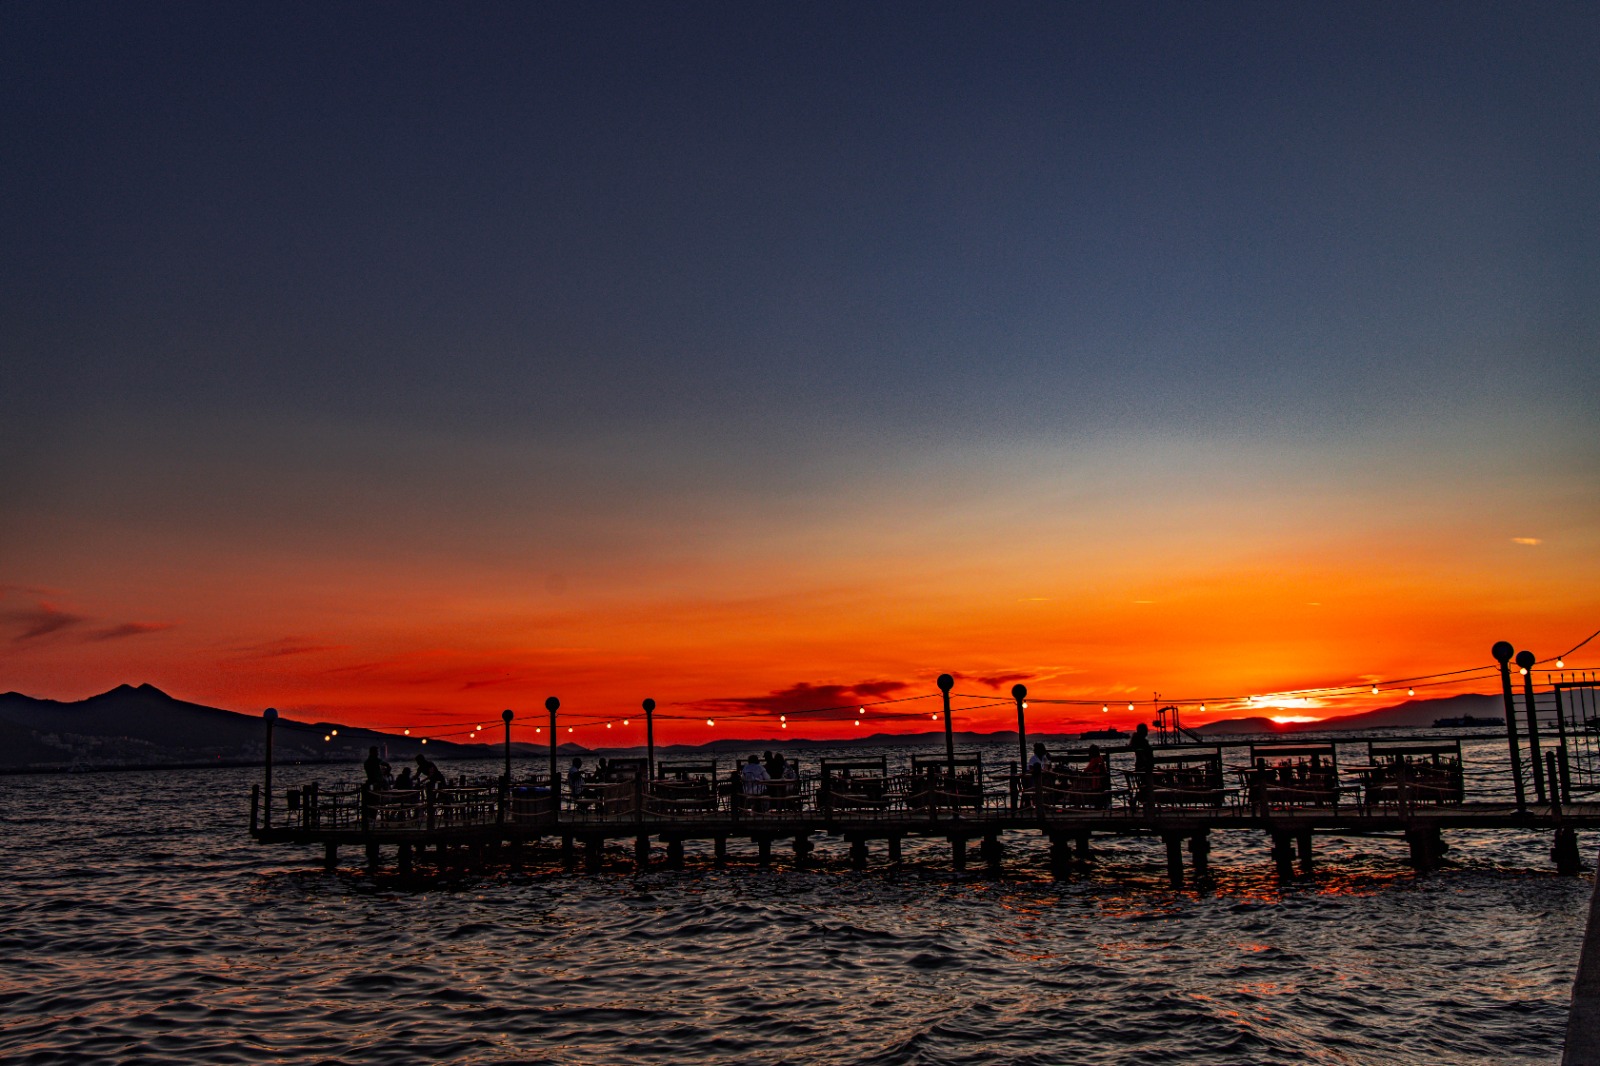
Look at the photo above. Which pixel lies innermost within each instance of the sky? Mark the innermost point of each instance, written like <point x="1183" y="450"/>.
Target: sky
<point x="395" y="364"/>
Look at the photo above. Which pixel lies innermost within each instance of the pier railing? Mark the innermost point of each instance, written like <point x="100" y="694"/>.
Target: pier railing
<point x="1355" y="775"/>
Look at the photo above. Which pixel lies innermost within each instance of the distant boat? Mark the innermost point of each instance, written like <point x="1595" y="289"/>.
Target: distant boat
<point x="1103" y="734"/>
<point x="1466" y="719"/>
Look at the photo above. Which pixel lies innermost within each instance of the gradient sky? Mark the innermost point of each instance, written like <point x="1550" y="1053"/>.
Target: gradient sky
<point x="396" y="364"/>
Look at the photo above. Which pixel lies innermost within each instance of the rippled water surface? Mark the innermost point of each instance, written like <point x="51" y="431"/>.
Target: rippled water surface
<point x="139" y="924"/>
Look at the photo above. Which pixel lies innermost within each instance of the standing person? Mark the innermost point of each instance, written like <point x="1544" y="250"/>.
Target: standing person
<point x="575" y="783"/>
<point x="377" y="770"/>
<point x="1144" y="762"/>
<point x="755" y="782"/>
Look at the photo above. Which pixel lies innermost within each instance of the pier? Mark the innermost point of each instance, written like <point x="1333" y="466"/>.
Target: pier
<point x="1286" y="792"/>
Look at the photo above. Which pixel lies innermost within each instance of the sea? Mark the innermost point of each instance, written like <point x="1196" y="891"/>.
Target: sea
<point x="140" y="924"/>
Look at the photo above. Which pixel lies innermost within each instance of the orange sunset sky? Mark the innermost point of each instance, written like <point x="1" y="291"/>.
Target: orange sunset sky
<point x="542" y="354"/>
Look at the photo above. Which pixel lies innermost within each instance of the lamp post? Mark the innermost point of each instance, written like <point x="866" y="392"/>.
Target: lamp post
<point x="1502" y="652"/>
<point x="506" y="716"/>
<point x="271" y="715"/>
<point x="1526" y="659"/>
<point x="1020" y="694"/>
<point x="552" y="705"/>
<point x="650" y="738"/>
<point x="946" y="683"/>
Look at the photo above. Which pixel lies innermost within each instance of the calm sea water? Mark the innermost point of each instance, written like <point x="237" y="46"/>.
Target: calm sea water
<point x="139" y="924"/>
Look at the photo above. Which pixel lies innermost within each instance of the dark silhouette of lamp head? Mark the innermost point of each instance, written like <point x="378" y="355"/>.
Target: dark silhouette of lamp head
<point x="270" y="713"/>
<point x="552" y="704"/>
<point x="945" y="682"/>
<point x="649" y="705"/>
<point x="506" y="716"/>
<point x="1525" y="659"/>
<point x="1019" y="692"/>
<point x="1502" y="652"/>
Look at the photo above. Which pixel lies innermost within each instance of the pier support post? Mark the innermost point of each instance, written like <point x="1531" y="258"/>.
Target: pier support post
<point x="1060" y="856"/>
<point x="675" y="853"/>
<point x="1426" y="844"/>
<point x="1283" y="854"/>
<point x="594" y="854"/>
<point x="641" y="852"/>
<point x="330" y="856"/>
<point x="719" y="851"/>
<point x="1304" y="842"/>
<point x="404" y="860"/>
<point x="895" y="856"/>
<point x="993" y="853"/>
<point x="802" y="849"/>
<point x="764" y="851"/>
<point x="1200" y="854"/>
<point x="1085" y="853"/>
<point x="1565" y="852"/>
<point x="1174" y="842"/>
<point x="374" y="858"/>
<point x="569" y="858"/>
<point x="958" y="853"/>
<point x="858" y="854"/>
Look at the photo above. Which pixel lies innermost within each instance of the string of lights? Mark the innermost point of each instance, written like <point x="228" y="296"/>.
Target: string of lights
<point x="878" y="711"/>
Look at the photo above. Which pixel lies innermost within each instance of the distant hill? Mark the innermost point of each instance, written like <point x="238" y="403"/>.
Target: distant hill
<point x="139" y="727"/>
<point x="1411" y="713"/>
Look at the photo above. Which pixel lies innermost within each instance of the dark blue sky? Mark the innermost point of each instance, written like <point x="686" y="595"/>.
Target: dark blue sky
<point x="1211" y="218"/>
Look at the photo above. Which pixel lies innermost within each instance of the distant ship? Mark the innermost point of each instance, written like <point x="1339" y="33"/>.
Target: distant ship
<point x="1466" y="719"/>
<point x="1103" y="734"/>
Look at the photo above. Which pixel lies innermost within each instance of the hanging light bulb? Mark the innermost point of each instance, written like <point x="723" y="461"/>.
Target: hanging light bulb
<point x="1024" y="704"/>
<point x="786" y="725"/>
<point x="1202" y="708"/>
<point x="624" y="721"/>
<point x="608" y="725"/>
<point x="408" y="732"/>
<point x="336" y="732"/>
<point x="1130" y="706"/>
<point x="1105" y="709"/>
<point x="536" y="729"/>
<point x="326" y="737"/>
<point x="1411" y="692"/>
<point x="933" y="717"/>
<point x="783" y="718"/>
<point x="1374" y="690"/>
<point x="710" y="722"/>
<point x="424" y="740"/>
<point x="1560" y="665"/>
<point x="569" y="729"/>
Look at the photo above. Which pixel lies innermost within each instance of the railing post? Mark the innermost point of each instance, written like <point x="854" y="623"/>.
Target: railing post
<point x="1502" y="652"/>
<point x="255" y="805"/>
<point x="1561" y="729"/>
<point x="271" y="715"/>
<point x="1526" y="660"/>
<point x="1555" y="793"/>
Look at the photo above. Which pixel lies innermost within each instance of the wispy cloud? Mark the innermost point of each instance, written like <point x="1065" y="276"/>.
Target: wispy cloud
<point x="282" y="647"/>
<point x="1528" y="542"/>
<point x="127" y="629"/>
<point x="992" y="680"/>
<point x="40" y="621"/>
<point x="803" y="696"/>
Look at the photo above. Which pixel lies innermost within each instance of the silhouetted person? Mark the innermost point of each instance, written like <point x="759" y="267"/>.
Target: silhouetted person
<point x="754" y="782"/>
<point x="1144" y="762"/>
<point x="575" y="782"/>
<point x="377" y="769"/>
<point x="429" y="776"/>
